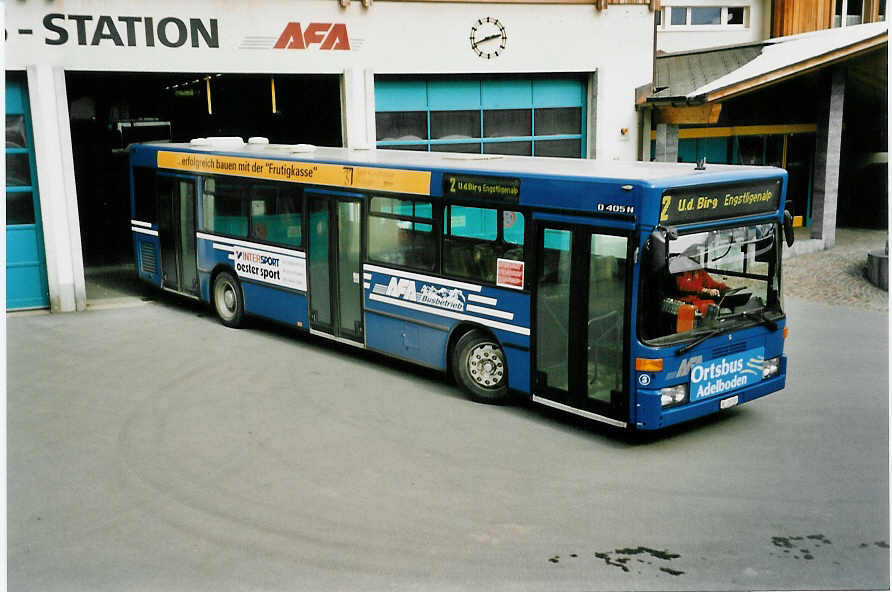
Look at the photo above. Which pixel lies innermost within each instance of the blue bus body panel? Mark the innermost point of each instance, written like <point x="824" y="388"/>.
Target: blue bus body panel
<point x="647" y="412"/>
<point x="650" y="416"/>
<point x="262" y="299"/>
<point x="412" y="315"/>
<point x="406" y="339"/>
<point x="273" y="303"/>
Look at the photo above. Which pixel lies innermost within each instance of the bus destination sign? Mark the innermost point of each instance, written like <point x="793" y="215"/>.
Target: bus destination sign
<point x="713" y="202"/>
<point x="500" y="189"/>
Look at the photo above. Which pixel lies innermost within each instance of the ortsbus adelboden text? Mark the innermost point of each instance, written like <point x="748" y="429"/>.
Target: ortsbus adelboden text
<point x="635" y="294"/>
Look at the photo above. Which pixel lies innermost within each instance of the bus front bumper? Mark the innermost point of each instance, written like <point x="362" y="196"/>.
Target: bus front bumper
<point x="650" y="415"/>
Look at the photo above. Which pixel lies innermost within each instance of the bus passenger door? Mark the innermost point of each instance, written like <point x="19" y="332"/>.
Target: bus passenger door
<point x="580" y="328"/>
<point x="176" y="233"/>
<point x="335" y="264"/>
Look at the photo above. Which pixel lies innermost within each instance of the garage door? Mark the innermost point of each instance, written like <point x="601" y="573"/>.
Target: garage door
<point x="26" y="283"/>
<point x="532" y="116"/>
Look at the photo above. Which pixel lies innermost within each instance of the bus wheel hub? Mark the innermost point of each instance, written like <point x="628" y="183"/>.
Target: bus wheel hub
<point x="486" y="366"/>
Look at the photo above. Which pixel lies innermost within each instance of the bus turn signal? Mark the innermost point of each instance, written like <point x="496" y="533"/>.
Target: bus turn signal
<point x="649" y="365"/>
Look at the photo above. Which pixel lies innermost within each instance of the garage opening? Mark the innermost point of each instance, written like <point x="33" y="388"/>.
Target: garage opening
<point x="108" y="111"/>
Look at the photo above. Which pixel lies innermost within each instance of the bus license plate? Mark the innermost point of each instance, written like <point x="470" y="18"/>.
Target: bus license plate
<point x="729" y="402"/>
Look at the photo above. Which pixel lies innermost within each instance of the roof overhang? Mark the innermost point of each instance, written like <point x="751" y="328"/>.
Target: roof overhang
<point x="791" y="71"/>
<point x="780" y="60"/>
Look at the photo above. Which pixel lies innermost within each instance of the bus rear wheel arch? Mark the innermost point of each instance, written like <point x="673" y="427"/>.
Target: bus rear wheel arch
<point x="226" y="296"/>
<point x="479" y="366"/>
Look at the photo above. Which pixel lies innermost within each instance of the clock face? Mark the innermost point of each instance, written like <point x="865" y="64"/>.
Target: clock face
<point x="488" y="37"/>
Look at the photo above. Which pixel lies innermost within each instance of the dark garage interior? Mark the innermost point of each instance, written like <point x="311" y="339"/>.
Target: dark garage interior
<point x="108" y="111"/>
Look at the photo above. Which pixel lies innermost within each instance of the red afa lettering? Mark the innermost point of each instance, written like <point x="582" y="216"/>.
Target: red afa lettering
<point x="326" y="35"/>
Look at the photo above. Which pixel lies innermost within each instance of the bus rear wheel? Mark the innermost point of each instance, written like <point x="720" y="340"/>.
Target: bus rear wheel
<point x="228" y="300"/>
<point x="478" y="365"/>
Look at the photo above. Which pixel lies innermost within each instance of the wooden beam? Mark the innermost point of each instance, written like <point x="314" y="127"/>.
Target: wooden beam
<point x="743" y="130"/>
<point x="708" y="114"/>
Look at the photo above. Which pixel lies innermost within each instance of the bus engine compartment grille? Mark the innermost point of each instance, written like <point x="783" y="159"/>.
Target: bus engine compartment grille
<point x="147" y="260"/>
<point x="729" y="349"/>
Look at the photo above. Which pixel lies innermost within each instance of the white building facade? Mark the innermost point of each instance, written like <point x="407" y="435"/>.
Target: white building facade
<point x="686" y="25"/>
<point x="555" y="79"/>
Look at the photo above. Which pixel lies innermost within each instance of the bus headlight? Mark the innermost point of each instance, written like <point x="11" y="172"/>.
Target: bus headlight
<point x="673" y="395"/>
<point x="771" y="367"/>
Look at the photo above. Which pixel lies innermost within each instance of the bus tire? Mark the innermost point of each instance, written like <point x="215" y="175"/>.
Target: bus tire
<point x="228" y="301"/>
<point x="479" y="366"/>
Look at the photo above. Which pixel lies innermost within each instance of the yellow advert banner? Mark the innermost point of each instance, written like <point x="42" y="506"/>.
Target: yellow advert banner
<point x="353" y="177"/>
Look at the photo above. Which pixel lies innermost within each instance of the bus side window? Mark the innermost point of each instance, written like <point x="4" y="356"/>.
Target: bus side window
<point x="224" y="209"/>
<point x="401" y="232"/>
<point x="287" y="227"/>
<point x="275" y="213"/>
<point x="477" y="237"/>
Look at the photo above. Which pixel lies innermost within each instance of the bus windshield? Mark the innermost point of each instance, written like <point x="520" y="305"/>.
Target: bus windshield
<point x="717" y="279"/>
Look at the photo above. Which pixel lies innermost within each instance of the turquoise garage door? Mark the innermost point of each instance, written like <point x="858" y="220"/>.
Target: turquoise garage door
<point x="26" y="284"/>
<point x="532" y="116"/>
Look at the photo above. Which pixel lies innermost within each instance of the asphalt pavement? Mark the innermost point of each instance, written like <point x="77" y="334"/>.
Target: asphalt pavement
<point x="151" y="448"/>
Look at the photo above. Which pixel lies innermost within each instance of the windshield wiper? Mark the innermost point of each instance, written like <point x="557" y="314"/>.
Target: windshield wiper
<point x="760" y="318"/>
<point x="686" y="348"/>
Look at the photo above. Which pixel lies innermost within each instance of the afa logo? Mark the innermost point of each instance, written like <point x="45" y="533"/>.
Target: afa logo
<point x="684" y="368"/>
<point x="401" y="288"/>
<point x="405" y="289"/>
<point x="326" y="35"/>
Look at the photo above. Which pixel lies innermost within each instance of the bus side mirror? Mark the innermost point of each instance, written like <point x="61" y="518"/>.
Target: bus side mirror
<point x="788" y="228"/>
<point x="656" y="256"/>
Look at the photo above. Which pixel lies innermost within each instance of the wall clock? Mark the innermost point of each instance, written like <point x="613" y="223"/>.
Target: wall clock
<point x="488" y="37"/>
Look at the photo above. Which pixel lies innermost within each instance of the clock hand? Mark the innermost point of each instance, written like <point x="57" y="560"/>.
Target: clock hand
<point x="490" y="37"/>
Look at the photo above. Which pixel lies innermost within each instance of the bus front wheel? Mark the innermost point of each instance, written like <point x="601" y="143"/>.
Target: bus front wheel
<point x="478" y="365"/>
<point x="228" y="300"/>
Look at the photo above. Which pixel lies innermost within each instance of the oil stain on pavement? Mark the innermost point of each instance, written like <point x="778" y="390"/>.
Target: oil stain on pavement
<point x="628" y="558"/>
<point x="806" y="547"/>
<point x="800" y="547"/>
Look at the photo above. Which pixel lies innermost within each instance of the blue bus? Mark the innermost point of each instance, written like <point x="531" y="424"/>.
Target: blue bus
<point x="636" y="294"/>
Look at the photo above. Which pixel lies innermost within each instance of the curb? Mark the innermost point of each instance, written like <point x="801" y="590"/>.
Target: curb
<point x="804" y="247"/>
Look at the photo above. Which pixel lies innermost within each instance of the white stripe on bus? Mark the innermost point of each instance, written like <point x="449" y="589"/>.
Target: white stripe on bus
<point x="259" y="247"/>
<point x="483" y="299"/>
<point x="508" y="316"/>
<point x="450" y="314"/>
<point x="145" y="231"/>
<point x="423" y="278"/>
<point x="141" y="223"/>
<point x="220" y="247"/>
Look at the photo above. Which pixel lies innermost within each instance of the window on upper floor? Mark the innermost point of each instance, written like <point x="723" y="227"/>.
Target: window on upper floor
<point x="855" y="13"/>
<point x="702" y="17"/>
